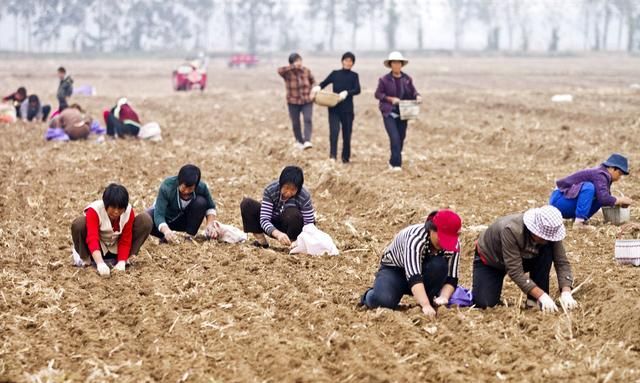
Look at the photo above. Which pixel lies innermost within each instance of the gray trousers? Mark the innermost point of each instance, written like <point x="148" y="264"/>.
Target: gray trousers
<point x="307" y="114"/>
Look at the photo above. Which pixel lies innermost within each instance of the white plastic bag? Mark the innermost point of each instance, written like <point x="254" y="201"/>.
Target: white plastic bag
<point x="312" y="241"/>
<point x="151" y="132"/>
<point x="230" y="234"/>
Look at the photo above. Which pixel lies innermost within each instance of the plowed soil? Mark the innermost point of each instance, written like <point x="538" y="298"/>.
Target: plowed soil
<point x="488" y="142"/>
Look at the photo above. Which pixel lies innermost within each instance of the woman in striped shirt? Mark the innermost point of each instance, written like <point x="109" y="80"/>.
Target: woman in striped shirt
<point x="285" y="209"/>
<point x="422" y="260"/>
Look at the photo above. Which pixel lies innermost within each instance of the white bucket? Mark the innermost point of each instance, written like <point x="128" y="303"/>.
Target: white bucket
<point x="616" y="215"/>
<point x="627" y="252"/>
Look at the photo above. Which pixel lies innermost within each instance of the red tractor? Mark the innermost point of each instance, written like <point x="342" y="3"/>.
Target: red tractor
<point x="243" y="61"/>
<point x="190" y="75"/>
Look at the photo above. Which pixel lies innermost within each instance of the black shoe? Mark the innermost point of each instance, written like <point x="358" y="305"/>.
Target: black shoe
<point x="362" y="299"/>
<point x="260" y="245"/>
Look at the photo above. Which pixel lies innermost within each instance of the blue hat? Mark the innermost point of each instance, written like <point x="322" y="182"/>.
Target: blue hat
<point x="617" y="161"/>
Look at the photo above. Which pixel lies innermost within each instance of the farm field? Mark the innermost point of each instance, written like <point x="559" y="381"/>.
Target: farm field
<point x="488" y="142"/>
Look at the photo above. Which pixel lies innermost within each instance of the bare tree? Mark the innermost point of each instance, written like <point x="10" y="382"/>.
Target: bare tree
<point x="393" y="21"/>
<point x="372" y="8"/>
<point x="415" y="10"/>
<point x="629" y="11"/>
<point x="202" y="11"/>
<point x="510" y="20"/>
<point x="461" y="13"/>
<point x="555" y="16"/>
<point x="487" y="12"/>
<point x="22" y="10"/>
<point x="353" y="15"/>
<point x="522" y="14"/>
<point x="255" y="13"/>
<point x="329" y="9"/>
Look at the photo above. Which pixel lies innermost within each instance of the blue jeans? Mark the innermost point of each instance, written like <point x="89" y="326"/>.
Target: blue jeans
<point x="397" y="131"/>
<point x="583" y="206"/>
<point x="391" y="283"/>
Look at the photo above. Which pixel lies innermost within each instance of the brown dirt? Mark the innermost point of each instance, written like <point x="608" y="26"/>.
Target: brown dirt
<point x="489" y="142"/>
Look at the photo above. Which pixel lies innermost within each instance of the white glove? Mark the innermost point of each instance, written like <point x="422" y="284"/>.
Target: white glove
<point x="567" y="301"/>
<point x="343" y="95"/>
<point x="547" y="304"/>
<point x="441" y="301"/>
<point x="120" y="266"/>
<point x="419" y="99"/>
<point x="103" y="269"/>
<point x="316" y="89"/>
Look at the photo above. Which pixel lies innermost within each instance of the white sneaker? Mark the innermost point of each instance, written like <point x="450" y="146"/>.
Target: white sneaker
<point x="395" y="168"/>
<point x="307" y="145"/>
<point x="299" y="146"/>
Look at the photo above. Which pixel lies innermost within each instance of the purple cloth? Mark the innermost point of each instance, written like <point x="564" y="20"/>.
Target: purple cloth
<point x="461" y="297"/>
<point x="600" y="178"/>
<point x="56" y="134"/>
<point x="387" y="88"/>
<point x="96" y="128"/>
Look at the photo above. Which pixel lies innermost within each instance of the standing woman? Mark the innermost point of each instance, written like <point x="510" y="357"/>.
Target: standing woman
<point x="392" y="88"/>
<point x="347" y="84"/>
<point x="298" y="82"/>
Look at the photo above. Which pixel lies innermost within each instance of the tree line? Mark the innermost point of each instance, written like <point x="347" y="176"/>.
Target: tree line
<point x="268" y="25"/>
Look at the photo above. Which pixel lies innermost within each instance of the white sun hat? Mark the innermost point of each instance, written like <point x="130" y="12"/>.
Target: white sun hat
<point x="395" y="56"/>
<point x="545" y="222"/>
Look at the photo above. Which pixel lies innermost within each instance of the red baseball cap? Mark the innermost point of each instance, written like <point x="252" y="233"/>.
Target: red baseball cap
<point x="448" y="226"/>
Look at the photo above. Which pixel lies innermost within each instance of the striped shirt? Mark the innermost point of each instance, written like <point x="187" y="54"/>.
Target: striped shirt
<point x="409" y="249"/>
<point x="273" y="206"/>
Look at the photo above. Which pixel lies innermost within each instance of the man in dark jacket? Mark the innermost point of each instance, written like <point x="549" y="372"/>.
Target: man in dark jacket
<point x="183" y="202"/>
<point x="65" y="89"/>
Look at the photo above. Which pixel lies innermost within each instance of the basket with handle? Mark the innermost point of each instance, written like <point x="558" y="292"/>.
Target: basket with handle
<point x="409" y="109"/>
<point x="627" y="251"/>
<point x="324" y="98"/>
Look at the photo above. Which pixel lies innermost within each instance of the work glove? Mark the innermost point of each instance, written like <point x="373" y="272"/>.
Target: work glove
<point x="316" y="89"/>
<point x="547" y="304"/>
<point x="343" y="95"/>
<point x="120" y="266"/>
<point x="103" y="269"/>
<point x="567" y="301"/>
<point x="441" y="301"/>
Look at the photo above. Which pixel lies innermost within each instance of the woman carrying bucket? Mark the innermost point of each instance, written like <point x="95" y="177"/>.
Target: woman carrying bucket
<point x="581" y="194"/>
<point x="523" y="246"/>
<point x="392" y="88"/>
<point x="347" y="84"/>
<point x="422" y="260"/>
